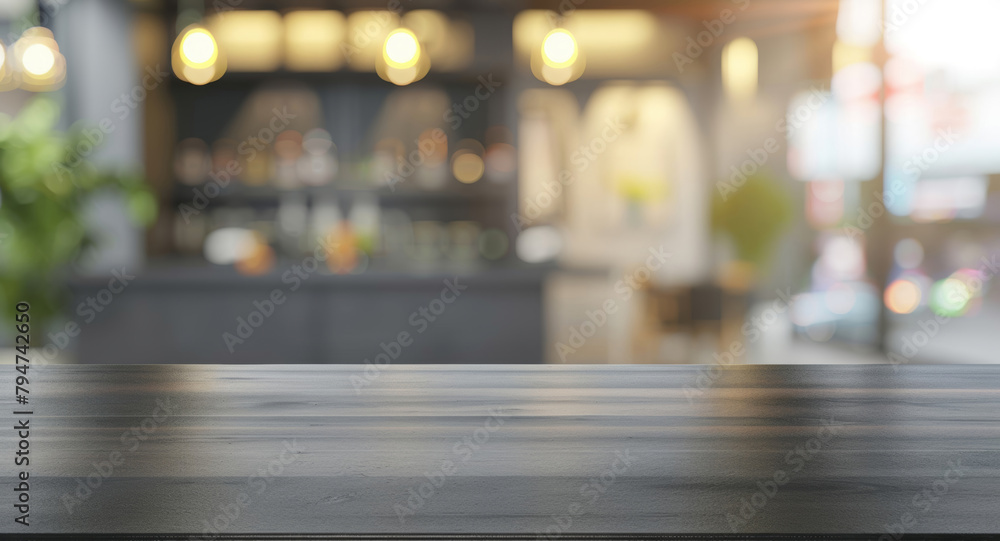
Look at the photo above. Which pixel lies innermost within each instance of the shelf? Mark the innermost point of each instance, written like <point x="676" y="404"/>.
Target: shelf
<point x="972" y="223"/>
<point x="494" y="194"/>
<point x="192" y="272"/>
<point x="343" y="75"/>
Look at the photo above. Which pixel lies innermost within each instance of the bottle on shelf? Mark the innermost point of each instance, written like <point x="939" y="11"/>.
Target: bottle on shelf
<point x="318" y="163"/>
<point x="364" y="220"/>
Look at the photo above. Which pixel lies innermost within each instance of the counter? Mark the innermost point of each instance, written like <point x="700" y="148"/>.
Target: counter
<point x="567" y="450"/>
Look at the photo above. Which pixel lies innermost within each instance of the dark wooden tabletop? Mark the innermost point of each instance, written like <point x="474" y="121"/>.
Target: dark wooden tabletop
<point x="554" y="450"/>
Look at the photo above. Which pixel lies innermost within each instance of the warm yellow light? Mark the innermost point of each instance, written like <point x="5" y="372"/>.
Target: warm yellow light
<point x="251" y="39"/>
<point x="611" y="43"/>
<point x="402" y="50"/>
<point x="199" y="77"/>
<point x="198" y="48"/>
<point x="739" y="69"/>
<point x="196" y="56"/>
<point x="559" y="48"/>
<point x="556" y="76"/>
<point x="313" y="40"/>
<point x="468" y="167"/>
<point x="7" y="80"/>
<point x="35" y="55"/>
<point x="845" y="54"/>
<point x="448" y="44"/>
<point x="902" y="296"/>
<point x="401" y="77"/>
<point x="364" y="40"/>
<point x="38" y="59"/>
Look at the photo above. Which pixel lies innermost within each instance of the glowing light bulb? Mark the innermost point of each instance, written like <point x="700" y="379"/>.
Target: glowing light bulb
<point x="38" y="59"/>
<point x="198" y="48"/>
<point x="401" y="50"/>
<point x="559" y="48"/>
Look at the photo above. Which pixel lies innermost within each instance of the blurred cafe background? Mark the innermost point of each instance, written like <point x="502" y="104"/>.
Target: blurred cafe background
<point x="571" y="181"/>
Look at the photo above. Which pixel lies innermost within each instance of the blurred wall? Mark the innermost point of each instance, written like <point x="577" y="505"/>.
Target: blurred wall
<point x="103" y="95"/>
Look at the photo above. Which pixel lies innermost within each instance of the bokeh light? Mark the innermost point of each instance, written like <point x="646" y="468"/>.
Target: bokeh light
<point x="539" y="244"/>
<point x="950" y="297"/>
<point x="402" y="59"/>
<point x="902" y="296"/>
<point x="38" y="59"/>
<point x="198" y="48"/>
<point x="402" y="50"/>
<point x="467" y="167"/>
<point x="260" y="259"/>
<point x="196" y="56"/>
<point x="739" y="68"/>
<point x="199" y="77"/>
<point x="974" y="280"/>
<point x="559" y="48"/>
<point x="228" y="245"/>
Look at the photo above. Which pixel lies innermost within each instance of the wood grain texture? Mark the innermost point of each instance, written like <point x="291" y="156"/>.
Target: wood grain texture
<point x="694" y="457"/>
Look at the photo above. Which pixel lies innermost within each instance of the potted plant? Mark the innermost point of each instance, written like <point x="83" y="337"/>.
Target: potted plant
<point x="752" y="215"/>
<point x="44" y="183"/>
